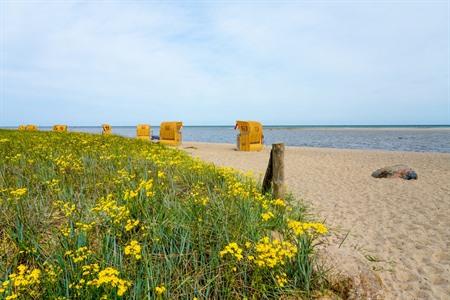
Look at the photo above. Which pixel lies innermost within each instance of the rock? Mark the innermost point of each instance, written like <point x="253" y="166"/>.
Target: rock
<point x="396" y="171"/>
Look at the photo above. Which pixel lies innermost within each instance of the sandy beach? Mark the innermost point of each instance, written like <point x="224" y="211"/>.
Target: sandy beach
<point x="399" y="228"/>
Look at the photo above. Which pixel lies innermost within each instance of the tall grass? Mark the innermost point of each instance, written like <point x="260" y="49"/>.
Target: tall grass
<point x="87" y="217"/>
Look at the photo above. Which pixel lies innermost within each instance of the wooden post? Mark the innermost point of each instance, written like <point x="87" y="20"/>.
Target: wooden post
<point x="278" y="170"/>
<point x="275" y="172"/>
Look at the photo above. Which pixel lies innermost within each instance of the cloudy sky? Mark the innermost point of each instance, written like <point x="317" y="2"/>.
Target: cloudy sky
<point x="304" y="62"/>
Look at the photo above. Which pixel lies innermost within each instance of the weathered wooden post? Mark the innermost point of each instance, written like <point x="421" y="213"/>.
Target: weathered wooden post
<point x="278" y="170"/>
<point x="275" y="172"/>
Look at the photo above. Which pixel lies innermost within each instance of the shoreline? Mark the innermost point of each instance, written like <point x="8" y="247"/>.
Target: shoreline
<point x="268" y="147"/>
<point x="397" y="228"/>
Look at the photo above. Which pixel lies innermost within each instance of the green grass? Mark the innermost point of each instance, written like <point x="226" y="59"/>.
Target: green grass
<point x="60" y="192"/>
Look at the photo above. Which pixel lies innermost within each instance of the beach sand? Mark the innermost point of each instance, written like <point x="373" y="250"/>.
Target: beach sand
<point x="399" y="228"/>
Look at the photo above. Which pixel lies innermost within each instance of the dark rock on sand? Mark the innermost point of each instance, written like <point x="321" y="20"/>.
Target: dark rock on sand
<point x="397" y="171"/>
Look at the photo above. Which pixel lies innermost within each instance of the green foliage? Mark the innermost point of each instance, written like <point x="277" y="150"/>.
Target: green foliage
<point x="88" y="216"/>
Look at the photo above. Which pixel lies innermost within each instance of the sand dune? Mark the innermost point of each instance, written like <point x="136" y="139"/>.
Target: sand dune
<point x="401" y="228"/>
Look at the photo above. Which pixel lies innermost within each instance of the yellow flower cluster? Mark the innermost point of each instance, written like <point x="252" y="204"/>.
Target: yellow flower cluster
<point x="235" y="187"/>
<point x="159" y="290"/>
<point x="273" y="253"/>
<point x="278" y="202"/>
<point x="233" y="249"/>
<point x="109" y="277"/>
<point x="21" y="283"/>
<point x="267" y="215"/>
<point x="109" y="206"/>
<point x="133" y="249"/>
<point x="19" y="192"/>
<point x="128" y="195"/>
<point x="68" y="163"/>
<point x="79" y="255"/>
<point x="300" y="228"/>
<point x="131" y="223"/>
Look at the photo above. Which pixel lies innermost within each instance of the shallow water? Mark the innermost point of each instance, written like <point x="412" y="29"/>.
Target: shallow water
<point x="405" y="138"/>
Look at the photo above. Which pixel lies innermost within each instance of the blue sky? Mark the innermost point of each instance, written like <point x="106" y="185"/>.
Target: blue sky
<point x="305" y="62"/>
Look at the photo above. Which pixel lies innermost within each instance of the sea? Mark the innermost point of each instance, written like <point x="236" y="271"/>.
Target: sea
<point x="391" y="138"/>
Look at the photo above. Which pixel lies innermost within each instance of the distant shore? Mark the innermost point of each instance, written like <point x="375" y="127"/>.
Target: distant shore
<point x="398" y="227"/>
<point x="271" y="127"/>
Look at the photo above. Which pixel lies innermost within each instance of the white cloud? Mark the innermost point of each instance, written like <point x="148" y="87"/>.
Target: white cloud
<point x="211" y="64"/>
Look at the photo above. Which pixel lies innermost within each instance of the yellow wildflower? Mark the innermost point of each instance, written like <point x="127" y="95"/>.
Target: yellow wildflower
<point x="79" y="255"/>
<point x="159" y="290"/>
<point x="133" y="248"/>
<point x="131" y="224"/>
<point x="110" y="277"/>
<point x="233" y="249"/>
<point x="130" y="195"/>
<point x="272" y="253"/>
<point x="279" y="202"/>
<point x="19" y="192"/>
<point x="300" y="228"/>
<point x="21" y="282"/>
<point x="267" y="216"/>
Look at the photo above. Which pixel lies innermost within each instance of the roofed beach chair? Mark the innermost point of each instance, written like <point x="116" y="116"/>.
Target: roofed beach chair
<point x="170" y="133"/>
<point x="143" y="132"/>
<point x="250" y="137"/>
<point x="106" y="129"/>
<point x="60" y="128"/>
<point x="31" y="127"/>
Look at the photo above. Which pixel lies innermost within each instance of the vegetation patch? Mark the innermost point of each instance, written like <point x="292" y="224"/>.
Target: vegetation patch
<point x="88" y="217"/>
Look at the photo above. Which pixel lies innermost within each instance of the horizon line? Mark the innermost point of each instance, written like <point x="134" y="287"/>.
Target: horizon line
<point x="265" y="125"/>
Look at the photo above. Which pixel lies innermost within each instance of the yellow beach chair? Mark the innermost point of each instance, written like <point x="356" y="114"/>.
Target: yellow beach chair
<point x="250" y="137"/>
<point x="170" y="133"/>
<point x="31" y="127"/>
<point x="143" y="132"/>
<point x="107" y="129"/>
<point x="60" y="128"/>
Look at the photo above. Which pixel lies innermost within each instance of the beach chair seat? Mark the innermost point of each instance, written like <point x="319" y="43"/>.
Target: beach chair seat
<point x="170" y="133"/>
<point x="31" y="127"/>
<point x="250" y="137"/>
<point x="143" y="132"/>
<point x="60" y="128"/>
<point x="106" y="129"/>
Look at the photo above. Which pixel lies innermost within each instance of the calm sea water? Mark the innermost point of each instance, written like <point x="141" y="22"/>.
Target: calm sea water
<point x="400" y="138"/>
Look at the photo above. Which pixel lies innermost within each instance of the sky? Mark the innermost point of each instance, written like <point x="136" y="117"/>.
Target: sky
<point x="211" y="63"/>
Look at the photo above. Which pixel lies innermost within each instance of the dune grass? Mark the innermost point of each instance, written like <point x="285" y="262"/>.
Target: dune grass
<point x="88" y="217"/>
